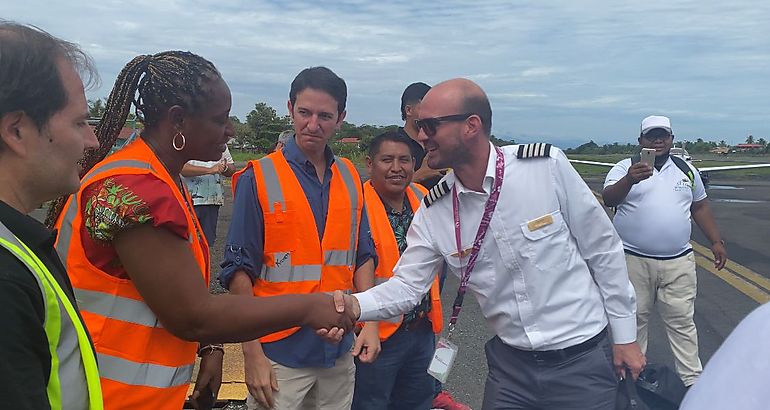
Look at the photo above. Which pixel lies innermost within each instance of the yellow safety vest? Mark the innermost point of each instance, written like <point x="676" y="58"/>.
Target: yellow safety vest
<point x="68" y="342"/>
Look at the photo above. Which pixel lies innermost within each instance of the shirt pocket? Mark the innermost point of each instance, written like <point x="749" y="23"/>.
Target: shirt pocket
<point x="543" y="244"/>
<point x="282" y="230"/>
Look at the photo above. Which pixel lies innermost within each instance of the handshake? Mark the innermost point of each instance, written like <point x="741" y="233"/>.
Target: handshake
<point x="333" y="314"/>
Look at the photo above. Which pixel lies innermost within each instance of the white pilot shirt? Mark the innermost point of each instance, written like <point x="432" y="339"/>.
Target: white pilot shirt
<point x="539" y="288"/>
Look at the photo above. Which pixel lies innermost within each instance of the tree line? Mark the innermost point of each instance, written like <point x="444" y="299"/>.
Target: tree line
<point x="698" y="146"/>
<point x="260" y="131"/>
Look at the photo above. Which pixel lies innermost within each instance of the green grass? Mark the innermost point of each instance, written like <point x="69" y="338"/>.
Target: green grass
<point x="243" y="156"/>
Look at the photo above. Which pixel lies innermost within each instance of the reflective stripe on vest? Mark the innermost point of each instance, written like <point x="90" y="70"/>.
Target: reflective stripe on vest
<point x="116" y="307"/>
<point x="416" y="191"/>
<point x="352" y="187"/>
<point x="387" y="253"/>
<point x="143" y="363"/>
<point x="143" y="374"/>
<point x="74" y="379"/>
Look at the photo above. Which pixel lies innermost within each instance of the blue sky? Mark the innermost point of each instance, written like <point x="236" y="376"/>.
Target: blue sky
<point x="557" y="71"/>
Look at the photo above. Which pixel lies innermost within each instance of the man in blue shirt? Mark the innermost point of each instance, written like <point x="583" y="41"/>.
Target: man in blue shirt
<point x="308" y="371"/>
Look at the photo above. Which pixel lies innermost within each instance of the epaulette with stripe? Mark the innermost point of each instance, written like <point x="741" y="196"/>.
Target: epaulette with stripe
<point x="536" y="150"/>
<point x="439" y="190"/>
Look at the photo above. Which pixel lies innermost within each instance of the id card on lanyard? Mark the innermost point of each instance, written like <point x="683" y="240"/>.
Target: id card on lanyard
<point x="446" y="351"/>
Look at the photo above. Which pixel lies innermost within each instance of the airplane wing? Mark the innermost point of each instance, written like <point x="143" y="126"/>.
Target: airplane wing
<point x="601" y="164"/>
<point x="701" y="169"/>
<point x="732" y="167"/>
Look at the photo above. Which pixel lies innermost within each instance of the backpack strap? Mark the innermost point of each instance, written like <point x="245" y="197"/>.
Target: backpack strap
<point x="682" y="165"/>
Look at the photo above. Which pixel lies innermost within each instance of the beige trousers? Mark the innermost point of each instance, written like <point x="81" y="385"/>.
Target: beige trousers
<point x="313" y="388"/>
<point x="672" y="285"/>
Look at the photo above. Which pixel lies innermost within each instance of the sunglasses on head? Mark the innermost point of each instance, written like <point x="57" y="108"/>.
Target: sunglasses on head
<point x="429" y="125"/>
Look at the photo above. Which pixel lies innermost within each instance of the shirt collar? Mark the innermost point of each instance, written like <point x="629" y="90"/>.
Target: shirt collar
<point x="489" y="176"/>
<point x="665" y="165"/>
<point x="29" y="231"/>
<point x="292" y="153"/>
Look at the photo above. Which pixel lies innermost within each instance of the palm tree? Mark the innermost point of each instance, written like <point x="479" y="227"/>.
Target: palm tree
<point x="96" y="108"/>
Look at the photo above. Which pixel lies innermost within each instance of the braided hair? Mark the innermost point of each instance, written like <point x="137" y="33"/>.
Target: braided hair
<point x="153" y="84"/>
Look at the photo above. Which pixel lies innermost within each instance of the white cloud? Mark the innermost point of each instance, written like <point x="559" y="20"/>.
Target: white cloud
<point x="566" y="69"/>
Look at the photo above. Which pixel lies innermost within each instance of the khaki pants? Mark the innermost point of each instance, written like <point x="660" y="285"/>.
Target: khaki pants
<point x="672" y="285"/>
<point x="313" y="388"/>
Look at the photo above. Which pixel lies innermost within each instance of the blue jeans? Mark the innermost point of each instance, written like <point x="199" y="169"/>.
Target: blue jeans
<point x="398" y="379"/>
<point x="207" y="216"/>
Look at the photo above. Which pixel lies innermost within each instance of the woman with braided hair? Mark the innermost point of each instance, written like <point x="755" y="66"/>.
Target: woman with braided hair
<point x="136" y="254"/>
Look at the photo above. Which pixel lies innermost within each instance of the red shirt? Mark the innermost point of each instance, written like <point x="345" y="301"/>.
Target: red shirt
<point x="115" y="204"/>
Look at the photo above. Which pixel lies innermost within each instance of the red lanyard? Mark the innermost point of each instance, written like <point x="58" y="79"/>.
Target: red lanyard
<point x="489" y="209"/>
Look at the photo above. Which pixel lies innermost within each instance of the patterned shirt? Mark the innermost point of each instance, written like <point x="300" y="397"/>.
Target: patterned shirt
<point x="400" y="222"/>
<point x="207" y="189"/>
<point x="115" y="204"/>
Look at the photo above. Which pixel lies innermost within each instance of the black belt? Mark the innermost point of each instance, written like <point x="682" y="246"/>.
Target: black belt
<point x="657" y="258"/>
<point x="567" y="352"/>
<point x="414" y="324"/>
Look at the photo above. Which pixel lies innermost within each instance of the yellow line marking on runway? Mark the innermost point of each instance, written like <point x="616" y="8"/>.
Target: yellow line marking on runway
<point x="747" y="288"/>
<point x="735" y="267"/>
<point x="736" y="275"/>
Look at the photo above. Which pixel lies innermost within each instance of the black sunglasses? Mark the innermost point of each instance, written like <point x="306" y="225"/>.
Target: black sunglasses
<point x="657" y="134"/>
<point x="429" y="125"/>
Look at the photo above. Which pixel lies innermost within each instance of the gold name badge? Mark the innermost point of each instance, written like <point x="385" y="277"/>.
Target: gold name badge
<point x="538" y="223"/>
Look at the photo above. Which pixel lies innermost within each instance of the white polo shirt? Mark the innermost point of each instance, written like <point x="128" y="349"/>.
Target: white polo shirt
<point x="654" y="218"/>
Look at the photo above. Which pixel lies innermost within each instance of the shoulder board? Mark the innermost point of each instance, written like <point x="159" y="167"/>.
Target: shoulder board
<point x="439" y="190"/>
<point x="536" y="150"/>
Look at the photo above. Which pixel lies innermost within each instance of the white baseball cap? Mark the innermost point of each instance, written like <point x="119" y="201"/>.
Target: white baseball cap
<point x="656" y="121"/>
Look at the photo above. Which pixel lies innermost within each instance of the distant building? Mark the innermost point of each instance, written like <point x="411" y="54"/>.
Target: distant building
<point x="350" y="140"/>
<point x="748" y="147"/>
<point x="720" y="150"/>
<point x="126" y="135"/>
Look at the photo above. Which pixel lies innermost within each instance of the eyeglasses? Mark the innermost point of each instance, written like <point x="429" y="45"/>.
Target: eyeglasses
<point x="429" y="125"/>
<point x="656" y="135"/>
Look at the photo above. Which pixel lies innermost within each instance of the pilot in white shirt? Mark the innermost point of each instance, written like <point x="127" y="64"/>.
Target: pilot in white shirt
<point x="550" y="276"/>
<point x="533" y="275"/>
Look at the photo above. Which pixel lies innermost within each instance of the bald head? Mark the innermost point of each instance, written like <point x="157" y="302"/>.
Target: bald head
<point x="459" y="96"/>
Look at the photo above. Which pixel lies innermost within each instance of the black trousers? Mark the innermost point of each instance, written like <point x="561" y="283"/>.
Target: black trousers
<point x="525" y="380"/>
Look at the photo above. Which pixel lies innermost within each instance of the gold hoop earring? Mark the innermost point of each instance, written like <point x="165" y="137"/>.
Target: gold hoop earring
<point x="173" y="141"/>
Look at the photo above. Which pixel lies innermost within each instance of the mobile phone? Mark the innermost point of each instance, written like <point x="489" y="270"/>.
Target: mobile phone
<point x="648" y="156"/>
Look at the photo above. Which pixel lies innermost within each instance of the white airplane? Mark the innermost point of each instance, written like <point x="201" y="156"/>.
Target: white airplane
<point x="682" y="153"/>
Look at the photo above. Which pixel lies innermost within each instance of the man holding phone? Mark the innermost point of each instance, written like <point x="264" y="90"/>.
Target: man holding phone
<point x="655" y="201"/>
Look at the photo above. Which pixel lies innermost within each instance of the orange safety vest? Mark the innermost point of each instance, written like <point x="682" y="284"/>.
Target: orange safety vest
<point x="294" y="260"/>
<point x="387" y="254"/>
<point x="141" y="364"/>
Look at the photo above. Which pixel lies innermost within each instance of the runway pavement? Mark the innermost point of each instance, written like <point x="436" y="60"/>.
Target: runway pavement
<point x="741" y="208"/>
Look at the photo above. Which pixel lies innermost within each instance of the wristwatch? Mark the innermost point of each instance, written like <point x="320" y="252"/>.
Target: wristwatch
<point x="209" y="349"/>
